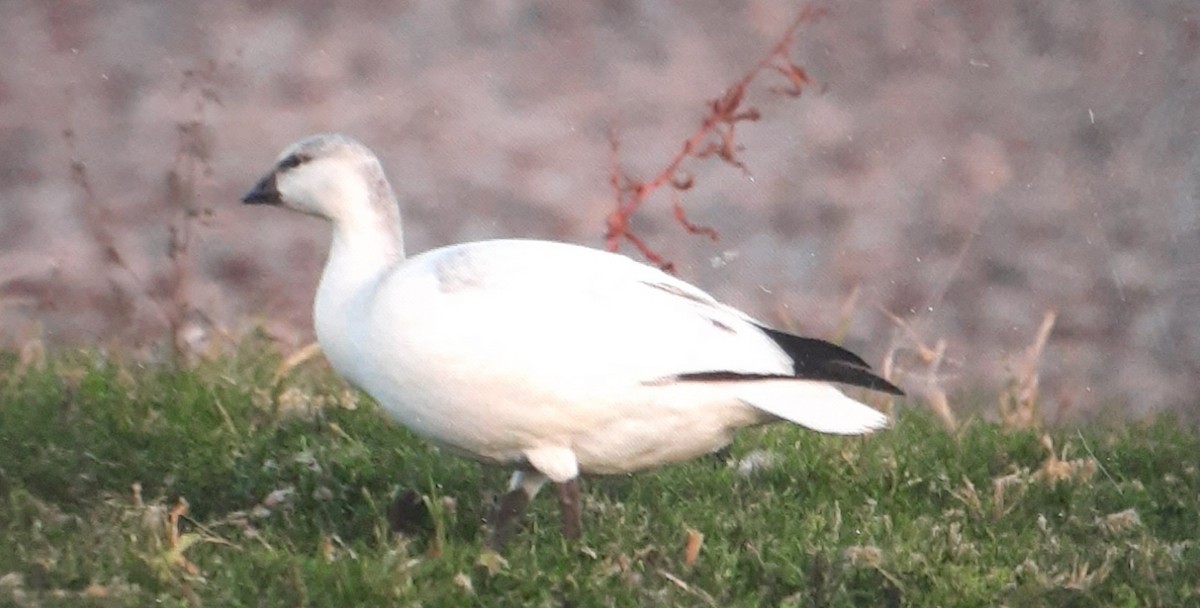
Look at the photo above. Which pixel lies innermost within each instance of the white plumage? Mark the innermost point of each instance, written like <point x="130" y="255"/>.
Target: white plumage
<point x="552" y="358"/>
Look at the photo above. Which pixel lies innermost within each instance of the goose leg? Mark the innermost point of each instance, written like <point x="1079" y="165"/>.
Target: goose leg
<point x="568" y="502"/>
<point x="508" y="510"/>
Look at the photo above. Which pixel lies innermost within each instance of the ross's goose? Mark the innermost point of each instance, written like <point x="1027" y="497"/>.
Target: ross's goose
<point x="550" y="358"/>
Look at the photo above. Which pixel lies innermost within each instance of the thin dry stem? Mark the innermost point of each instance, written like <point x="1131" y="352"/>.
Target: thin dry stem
<point x="691" y="548"/>
<point x="846" y="315"/>
<point x="191" y="163"/>
<point x="1019" y="402"/>
<point x="294" y="360"/>
<point x="98" y="219"/>
<point x="930" y="387"/>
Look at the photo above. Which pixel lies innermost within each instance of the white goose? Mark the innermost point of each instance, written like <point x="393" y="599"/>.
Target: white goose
<point x="550" y="358"/>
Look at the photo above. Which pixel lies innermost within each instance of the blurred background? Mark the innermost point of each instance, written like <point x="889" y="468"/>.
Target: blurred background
<point x="964" y="166"/>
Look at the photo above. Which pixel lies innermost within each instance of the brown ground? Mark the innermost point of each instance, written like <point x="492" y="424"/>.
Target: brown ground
<point x="967" y="165"/>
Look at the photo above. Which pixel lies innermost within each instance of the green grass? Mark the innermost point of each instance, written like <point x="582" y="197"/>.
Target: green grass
<point x="909" y="517"/>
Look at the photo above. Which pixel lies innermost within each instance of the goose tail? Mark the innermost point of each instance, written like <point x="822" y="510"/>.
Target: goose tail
<point x="813" y="405"/>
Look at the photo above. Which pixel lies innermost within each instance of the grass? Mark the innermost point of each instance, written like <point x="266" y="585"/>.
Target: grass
<point x="123" y="485"/>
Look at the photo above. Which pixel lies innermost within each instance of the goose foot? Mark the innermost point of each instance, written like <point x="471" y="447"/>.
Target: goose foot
<point x="502" y="523"/>
<point x="568" y="502"/>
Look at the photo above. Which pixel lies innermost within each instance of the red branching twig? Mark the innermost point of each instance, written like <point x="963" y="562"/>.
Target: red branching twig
<point x="681" y="217"/>
<point x="716" y="136"/>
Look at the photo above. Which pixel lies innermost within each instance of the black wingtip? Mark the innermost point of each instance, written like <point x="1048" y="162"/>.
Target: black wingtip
<point x="801" y="349"/>
<point x="814" y="359"/>
<point x="858" y="376"/>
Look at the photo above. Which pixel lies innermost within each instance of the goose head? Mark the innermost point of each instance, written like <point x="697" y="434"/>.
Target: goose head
<point x="337" y="178"/>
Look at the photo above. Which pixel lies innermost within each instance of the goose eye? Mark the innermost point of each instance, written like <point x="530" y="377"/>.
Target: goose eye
<point x="292" y="161"/>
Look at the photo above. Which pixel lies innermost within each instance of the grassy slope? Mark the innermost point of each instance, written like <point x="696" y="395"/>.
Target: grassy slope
<point x="908" y="517"/>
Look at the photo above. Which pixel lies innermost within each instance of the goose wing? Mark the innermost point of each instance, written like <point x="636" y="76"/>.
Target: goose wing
<point x="558" y="309"/>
